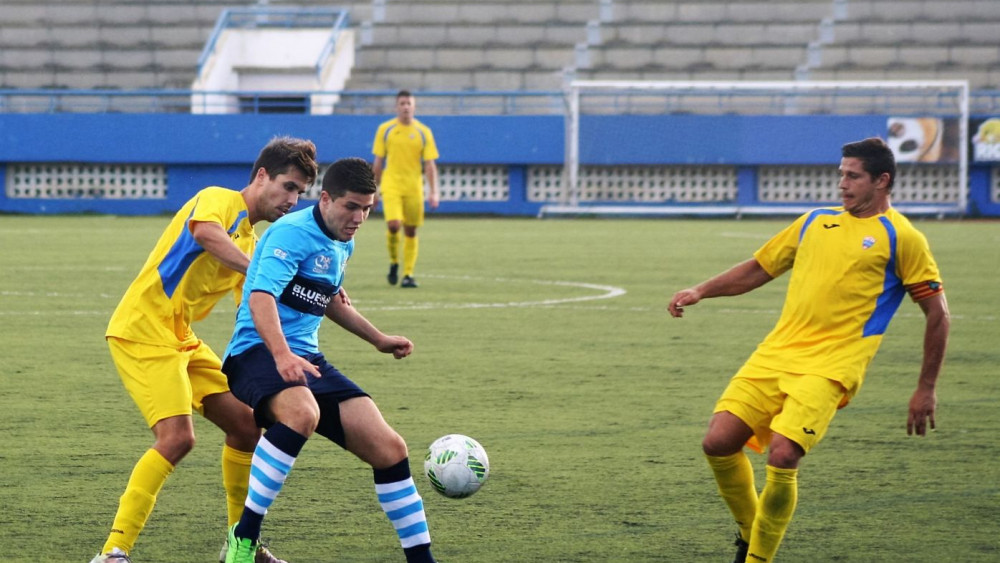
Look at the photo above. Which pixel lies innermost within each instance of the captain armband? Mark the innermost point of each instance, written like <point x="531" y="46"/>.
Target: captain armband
<point x="923" y="290"/>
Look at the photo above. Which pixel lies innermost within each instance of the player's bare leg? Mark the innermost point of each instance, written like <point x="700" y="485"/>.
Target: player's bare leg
<point x="368" y="436"/>
<point x="296" y="414"/>
<point x="236" y="420"/>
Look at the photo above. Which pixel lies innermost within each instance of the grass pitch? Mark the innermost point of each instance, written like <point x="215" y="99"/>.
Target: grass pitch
<point x="548" y="341"/>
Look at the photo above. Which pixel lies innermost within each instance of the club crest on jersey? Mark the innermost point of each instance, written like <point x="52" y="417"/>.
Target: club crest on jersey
<point x="321" y="264"/>
<point x="867" y="242"/>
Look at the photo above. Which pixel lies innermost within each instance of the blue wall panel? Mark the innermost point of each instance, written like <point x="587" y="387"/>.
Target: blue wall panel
<point x="224" y="139"/>
<point x="689" y="139"/>
<point x="201" y="150"/>
<point x="979" y="193"/>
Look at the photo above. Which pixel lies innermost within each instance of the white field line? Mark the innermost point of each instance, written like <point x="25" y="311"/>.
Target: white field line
<point x="606" y="292"/>
<point x="6" y="293"/>
<point x="569" y="303"/>
<point x="75" y="268"/>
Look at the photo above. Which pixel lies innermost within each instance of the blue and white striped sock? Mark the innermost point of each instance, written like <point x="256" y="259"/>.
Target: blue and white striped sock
<point x="402" y="504"/>
<point x="272" y="461"/>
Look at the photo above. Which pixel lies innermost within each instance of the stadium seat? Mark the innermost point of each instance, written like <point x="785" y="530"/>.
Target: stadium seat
<point x="523" y="44"/>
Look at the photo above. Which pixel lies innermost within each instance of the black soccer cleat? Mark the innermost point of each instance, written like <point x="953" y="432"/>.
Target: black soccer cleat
<point x="742" y="547"/>
<point x="408" y="281"/>
<point x="393" y="276"/>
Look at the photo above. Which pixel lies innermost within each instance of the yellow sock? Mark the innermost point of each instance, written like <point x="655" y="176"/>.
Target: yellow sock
<point x="410" y="250"/>
<point x="392" y="241"/>
<point x="235" y="479"/>
<point x="148" y="476"/>
<point x="777" y="504"/>
<point x="734" y="475"/>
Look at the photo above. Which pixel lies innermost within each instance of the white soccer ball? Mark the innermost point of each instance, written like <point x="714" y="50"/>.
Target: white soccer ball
<point x="456" y="465"/>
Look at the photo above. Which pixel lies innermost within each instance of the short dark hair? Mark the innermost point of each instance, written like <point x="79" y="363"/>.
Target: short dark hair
<point x="404" y="94"/>
<point x="876" y="157"/>
<point x="283" y="153"/>
<point x="350" y="174"/>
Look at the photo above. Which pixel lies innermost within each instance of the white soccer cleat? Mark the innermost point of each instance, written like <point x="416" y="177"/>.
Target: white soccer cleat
<point x="114" y="556"/>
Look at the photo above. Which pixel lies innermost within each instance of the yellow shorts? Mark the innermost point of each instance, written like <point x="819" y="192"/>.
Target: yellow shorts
<point x="408" y="207"/>
<point x="799" y="407"/>
<point x="166" y="382"/>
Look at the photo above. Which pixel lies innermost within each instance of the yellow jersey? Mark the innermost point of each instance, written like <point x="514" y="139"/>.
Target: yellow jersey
<point x="180" y="283"/>
<point x="848" y="277"/>
<point x="405" y="148"/>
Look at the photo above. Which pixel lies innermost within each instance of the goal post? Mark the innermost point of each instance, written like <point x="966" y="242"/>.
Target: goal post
<point x="704" y="180"/>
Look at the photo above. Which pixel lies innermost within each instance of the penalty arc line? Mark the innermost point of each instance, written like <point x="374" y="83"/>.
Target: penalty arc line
<point x="608" y="292"/>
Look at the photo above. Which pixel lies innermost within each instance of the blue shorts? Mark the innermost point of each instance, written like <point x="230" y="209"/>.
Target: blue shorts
<point x="254" y="379"/>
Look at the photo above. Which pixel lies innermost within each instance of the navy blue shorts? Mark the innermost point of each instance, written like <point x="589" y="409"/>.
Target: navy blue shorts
<point x="254" y="379"/>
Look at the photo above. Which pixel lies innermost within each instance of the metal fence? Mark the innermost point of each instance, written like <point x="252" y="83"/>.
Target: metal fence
<point x="359" y="102"/>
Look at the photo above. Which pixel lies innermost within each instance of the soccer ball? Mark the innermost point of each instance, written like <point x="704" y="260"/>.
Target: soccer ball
<point x="456" y="465"/>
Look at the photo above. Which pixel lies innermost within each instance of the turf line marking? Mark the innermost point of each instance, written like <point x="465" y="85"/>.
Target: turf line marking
<point x="53" y="313"/>
<point x="607" y="292"/>
<point x="75" y="268"/>
<point x="56" y="294"/>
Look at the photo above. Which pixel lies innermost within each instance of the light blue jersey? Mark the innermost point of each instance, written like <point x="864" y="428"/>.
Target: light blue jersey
<point x="301" y="264"/>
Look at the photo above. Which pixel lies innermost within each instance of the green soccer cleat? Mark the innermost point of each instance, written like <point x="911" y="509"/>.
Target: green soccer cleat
<point x="263" y="555"/>
<point x="114" y="556"/>
<point x="241" y="550"/>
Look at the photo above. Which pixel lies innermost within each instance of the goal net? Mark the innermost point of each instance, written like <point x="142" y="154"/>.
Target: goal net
<point x="737" y="148"/>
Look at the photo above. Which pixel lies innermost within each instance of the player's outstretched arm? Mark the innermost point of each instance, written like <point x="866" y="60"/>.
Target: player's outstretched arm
<point x="345" y="315"/>
<point x="741" y="278"/>
<point x="923" y="403"/>
<point x="214" y="239"/>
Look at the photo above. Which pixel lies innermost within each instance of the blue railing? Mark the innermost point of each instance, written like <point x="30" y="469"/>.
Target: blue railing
<point x="343" y="20"/>
<point x="464" y="102"/>
<point x="984" y="102"/>
<point x="208" y="101"/>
